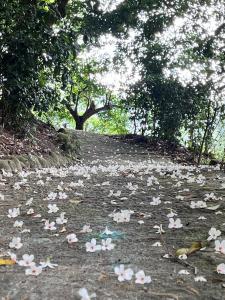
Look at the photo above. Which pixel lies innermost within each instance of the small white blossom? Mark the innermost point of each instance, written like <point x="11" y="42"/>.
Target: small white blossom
<point x="141" y="278"/>
<point x="76" y="184"/>
<point x="61" y="219"/>
<point x="183" y="272"/>
<point x="25" y="231"/>
<point x="202" y="218"/>
<point x="27" y="261"/>
<point x="62" y="195"/>
<point x="47" y="264"/>
<point x="221" y="269"/>
<point x="13" y="212"/>
<point x="30" y="211"/>
<point x="166" y="255"/>
<point x="123" y="216"/>
<point x="198" y="204"/>
<point x="52" y="196"/>
<point x="92" y="246"/>
<point x="83" y="293"/>
<point x="220" y="246"/>
<point x="34" y="270"/>
<point x="37" y="216"/>
<point x="71" y="238"/>
<point x="179" y="197"/>
<point x="17" y="186"/>
<point x="123" y="274"/>
<point x="86" y="229"/>
<point x="155" y="201"/>
<point x="152" y="180"/>
<point x="15" y="243"/>
<point x="52" y="208"/>
<point x="29" y="202"/>
<point x="171" y="214"/>
<point x="157" y="244"/>
<point x="213" y="234"/>
<point x="18" y="224"/>
<point x="107" y="244"/>
<point x="175" y="223"/>
<point x="200" y="279"/>
<point x="115" y="194"/>
<point x="141" y="222"/>
<point x="49" y="226"/>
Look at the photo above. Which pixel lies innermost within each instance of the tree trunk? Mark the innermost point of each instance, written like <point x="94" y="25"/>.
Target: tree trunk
<point x="80" y="123"/>
<point x="205" y="135"/>
<point x="90" y="111"/>
<point x="80" y="126"/>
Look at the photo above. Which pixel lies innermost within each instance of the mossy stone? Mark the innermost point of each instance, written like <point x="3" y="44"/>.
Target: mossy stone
<point x="34" y="163"/>
<point x="17" y="164"/>
<point x="55" y="158"/>
<point x="4" y="165"/>
<point x="69" y="142"/>
<point x="24" y="159"/>
<point x="12" y="165"/>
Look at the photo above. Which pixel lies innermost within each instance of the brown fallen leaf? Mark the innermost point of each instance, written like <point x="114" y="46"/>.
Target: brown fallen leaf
<point x="182" y="251"/>
<point x="75" y="201"/>
<point x="6" y="262"/>
<point x="63" y="229"/>
<point x="103" y="276"/>
<point x="215" y="207"/>
<point x="195" y="246"/>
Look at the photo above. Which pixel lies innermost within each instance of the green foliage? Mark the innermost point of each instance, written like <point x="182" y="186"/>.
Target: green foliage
<point x="161" y="102"/>
<point x="37" y="38"/>
<point x="57" y="118"/>
<point x="115" y="121"/>
<point x="80" y="86"/>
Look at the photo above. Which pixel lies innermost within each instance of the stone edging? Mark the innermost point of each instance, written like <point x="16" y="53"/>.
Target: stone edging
<point x="68" y="153"/>
<point x="31" y="161"/>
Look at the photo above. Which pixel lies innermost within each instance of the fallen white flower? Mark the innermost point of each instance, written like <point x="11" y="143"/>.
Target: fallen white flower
<point x="71" y="238"/>
<point x="141" y="278"/>
<point x="221" y="269"/>
<point x="15" y="243"/>
<point x="34" y="270"/>
<point x="27" y="261"/>
<point x="200" y="279"/>
<point x="183" y="272"/>
<point x="18" y="224"/>
<point x="92" y="246"/>
<point x="123" y="274"/>
<point x="47" y="264"/>
<point x="84" y="294"/>
<point x="13" y="212"/>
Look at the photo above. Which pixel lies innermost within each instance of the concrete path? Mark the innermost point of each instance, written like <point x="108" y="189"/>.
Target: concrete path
<point x="113" y="176"/>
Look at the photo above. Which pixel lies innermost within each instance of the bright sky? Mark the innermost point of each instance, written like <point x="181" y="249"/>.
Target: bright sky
<point x="108" y="5"/>
<point x="117" y="80"/>
<point x="114" y="79"/>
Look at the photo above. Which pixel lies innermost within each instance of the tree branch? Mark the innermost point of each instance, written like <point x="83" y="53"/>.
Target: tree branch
<point x="73" y="112"/>
<point x="219" y="29"/>
<point x="92" y="110"/>
<point x="61" y="4"/>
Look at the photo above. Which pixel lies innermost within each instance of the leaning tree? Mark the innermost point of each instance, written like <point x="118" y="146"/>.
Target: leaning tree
<point x="83" y="96"/>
